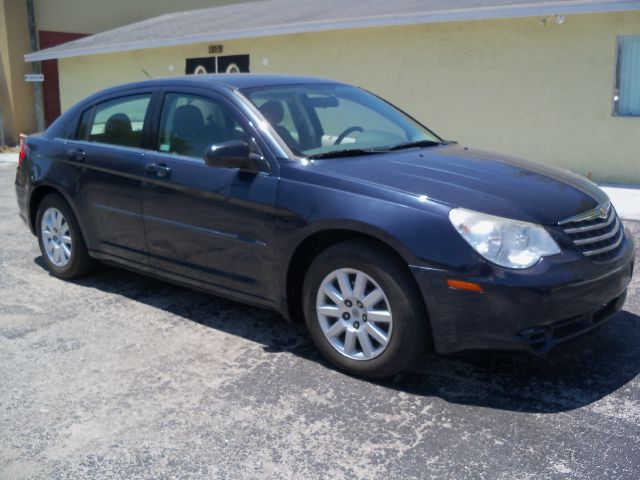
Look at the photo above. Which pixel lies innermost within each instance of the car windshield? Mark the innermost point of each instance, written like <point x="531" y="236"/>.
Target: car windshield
<point x="332" y="120"/>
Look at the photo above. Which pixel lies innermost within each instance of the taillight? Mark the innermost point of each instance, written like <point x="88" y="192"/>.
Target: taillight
<point x="23" y="150"/>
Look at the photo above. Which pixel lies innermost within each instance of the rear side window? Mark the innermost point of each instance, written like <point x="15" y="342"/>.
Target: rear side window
<point x="190" y="123"/>
<point x="119" y="121"/>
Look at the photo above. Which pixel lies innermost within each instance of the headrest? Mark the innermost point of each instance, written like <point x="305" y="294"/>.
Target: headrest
<point x="187" y="119"/>
<point x="117" y="124"/>
<point x="273" y="111"/>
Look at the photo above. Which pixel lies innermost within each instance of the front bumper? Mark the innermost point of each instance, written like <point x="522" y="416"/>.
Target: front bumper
<point x="534" y="309"/>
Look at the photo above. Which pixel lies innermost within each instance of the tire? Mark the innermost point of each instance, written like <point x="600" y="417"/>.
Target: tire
<point x="65" y="257"/>
<point x="399" y="315"/>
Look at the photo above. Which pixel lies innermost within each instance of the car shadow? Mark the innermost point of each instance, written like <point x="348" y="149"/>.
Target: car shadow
<point x="571" y="376"/>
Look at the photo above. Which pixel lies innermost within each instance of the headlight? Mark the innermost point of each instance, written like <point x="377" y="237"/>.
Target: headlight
<point x="508" y="243"/>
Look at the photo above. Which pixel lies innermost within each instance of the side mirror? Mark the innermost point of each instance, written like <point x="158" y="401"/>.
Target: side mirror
<point x="232" y="154"/>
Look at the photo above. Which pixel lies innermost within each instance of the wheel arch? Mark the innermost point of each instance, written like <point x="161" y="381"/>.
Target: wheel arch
<point x="35" y="199"/>
<point x="320" y="240"/>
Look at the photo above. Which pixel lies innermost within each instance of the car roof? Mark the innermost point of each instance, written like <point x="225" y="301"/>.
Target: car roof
<point x="234" y="81"/>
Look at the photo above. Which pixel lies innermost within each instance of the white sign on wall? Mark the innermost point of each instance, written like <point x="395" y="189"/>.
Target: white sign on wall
<point x="34" y="77"/>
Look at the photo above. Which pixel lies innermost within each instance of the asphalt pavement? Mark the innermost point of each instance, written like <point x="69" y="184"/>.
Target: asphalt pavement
<point x="122" y="376"/>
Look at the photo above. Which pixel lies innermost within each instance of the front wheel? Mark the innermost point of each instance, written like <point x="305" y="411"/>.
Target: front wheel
<point x="363" y="310"/>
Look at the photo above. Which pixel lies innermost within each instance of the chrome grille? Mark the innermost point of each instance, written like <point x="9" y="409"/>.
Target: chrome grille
<point x="597" y="233"/>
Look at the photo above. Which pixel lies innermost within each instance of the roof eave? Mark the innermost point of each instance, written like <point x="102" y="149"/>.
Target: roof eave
<point x="455" y="15"/>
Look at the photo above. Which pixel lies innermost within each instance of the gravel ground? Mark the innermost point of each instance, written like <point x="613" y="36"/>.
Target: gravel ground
<point x="121" y="376"/>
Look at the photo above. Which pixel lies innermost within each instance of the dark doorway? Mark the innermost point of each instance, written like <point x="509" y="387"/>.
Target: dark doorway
<point x="218" y="64"/>
<point x="233" y="64"/>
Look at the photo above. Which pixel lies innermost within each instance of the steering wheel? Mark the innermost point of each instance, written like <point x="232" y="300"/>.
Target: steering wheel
<point x="346" y="133"/>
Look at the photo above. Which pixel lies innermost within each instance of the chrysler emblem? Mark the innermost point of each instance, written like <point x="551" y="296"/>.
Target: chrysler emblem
<point x="601" y="211"/>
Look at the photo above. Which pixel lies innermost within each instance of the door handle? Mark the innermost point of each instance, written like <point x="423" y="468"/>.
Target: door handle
<point x="76" y="155"/>
<point x="159" y="169"/>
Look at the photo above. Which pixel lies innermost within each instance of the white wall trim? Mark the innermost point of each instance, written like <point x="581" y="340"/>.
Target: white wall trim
<point x="453" y="15"/>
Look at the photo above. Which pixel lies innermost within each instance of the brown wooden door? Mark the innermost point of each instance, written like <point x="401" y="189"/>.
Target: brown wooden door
<point x="51" y="85"/>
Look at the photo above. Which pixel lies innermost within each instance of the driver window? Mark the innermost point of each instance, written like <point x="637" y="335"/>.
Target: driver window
<point x="190" y="123"/>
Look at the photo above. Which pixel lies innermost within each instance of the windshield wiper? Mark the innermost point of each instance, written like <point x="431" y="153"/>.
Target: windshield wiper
<point x="349" y="152"/>
<point x="419" y="143"/>
<point x="354" y="152"/>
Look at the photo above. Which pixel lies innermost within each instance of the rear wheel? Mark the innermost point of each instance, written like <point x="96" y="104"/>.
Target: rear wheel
<point x="61" y="243"/>
<point x="363" y="311"/>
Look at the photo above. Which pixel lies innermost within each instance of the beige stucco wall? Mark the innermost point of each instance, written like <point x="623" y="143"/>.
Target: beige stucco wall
<point x="75" y="16"/>
<point x="16" y="96"/>
<point x="512" y="86"/>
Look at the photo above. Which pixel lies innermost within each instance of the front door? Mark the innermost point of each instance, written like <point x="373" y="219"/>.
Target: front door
<point x="202" y="223"/>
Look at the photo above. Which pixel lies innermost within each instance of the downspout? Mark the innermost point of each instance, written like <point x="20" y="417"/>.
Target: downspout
<point x="37" y="86"/>
<point x="1" y="129"/>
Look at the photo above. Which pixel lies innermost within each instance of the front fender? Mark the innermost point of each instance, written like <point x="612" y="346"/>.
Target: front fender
<point x="418" y="230"/>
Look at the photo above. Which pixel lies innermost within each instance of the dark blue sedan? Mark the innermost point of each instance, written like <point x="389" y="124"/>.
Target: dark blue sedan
<point x="324" y="202"/>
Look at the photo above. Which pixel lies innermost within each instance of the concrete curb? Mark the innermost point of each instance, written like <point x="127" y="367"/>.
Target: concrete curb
<point x="626" y="200"/>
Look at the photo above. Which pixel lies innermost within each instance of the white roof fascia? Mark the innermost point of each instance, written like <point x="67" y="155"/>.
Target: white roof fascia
<point x="453" y="15"/>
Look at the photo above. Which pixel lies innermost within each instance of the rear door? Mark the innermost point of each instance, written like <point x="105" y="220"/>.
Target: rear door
<point x="213" y="225"/>
<point x="108" y="146"/>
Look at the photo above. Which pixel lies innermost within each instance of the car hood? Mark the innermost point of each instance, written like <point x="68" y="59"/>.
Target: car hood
<point x="481" y="181"/>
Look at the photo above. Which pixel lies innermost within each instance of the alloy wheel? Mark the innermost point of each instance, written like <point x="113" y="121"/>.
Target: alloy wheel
<point x="56" y="237"/>
<point x="354" y="314"/>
